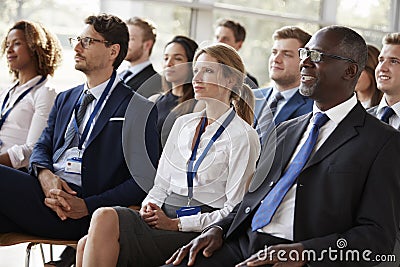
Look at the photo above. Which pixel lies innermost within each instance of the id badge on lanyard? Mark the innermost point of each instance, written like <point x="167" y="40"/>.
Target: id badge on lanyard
<point x="193" y="167"/>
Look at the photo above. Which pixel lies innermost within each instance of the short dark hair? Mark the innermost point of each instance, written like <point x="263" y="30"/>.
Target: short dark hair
<point x="292" y="32"/>
<point x="238" y="30"/>
<point x="114" y="30"/>
<point x="148" y="28"/>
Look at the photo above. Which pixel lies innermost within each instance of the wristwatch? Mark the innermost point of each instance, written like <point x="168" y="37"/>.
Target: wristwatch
<point x="179" y="225"/>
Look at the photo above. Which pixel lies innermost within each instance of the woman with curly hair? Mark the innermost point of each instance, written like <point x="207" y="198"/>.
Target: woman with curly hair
<point x="32" y="54"/>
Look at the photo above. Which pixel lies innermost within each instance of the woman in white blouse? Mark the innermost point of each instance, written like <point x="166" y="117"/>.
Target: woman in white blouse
<point x="197" y="179"/>
<point x="32" y="54"/>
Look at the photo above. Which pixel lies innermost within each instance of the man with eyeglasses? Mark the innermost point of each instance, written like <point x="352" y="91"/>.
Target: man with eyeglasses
<point x="78" y="164"/>
<point x="282" y="101"/>
<point x="331" y="195"/>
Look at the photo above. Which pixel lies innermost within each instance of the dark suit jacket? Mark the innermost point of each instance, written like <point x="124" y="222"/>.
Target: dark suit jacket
<point x="106" y="179"/>
<point x="147" y="82"/>
<point x="296" y="106"/>
<point x="349" y="189"/>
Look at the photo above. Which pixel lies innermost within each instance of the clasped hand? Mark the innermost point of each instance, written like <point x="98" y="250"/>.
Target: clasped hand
<point x="60" y="197"/>
<point x="155" y="217"/>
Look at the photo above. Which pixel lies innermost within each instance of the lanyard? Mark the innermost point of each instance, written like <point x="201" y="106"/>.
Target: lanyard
<point x="5" y="115"/>
<point x="192" y="169"/>
<point x="103" y="96"/>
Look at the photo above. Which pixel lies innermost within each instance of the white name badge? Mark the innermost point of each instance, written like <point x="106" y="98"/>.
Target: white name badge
<point x="73" y="165"/>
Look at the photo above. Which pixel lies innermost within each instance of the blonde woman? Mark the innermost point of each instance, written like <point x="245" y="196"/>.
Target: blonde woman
<point x="203" y="171"/>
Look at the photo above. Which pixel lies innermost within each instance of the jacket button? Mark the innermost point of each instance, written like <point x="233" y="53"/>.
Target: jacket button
<point x="247" y="210"/>
<point x="271" y="184"/>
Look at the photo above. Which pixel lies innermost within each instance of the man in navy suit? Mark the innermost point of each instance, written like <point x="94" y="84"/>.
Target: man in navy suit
<point x="140" y="75"/>
<point x="284" y="71"/>
<point x="78" y="164"/>
<point x="342" y="207"/>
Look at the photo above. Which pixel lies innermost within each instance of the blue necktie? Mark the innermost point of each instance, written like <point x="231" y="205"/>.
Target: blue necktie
<point x="126" y="75"/>
<point x="264" y="213"/>
<point x="387" y="113"/>
<point x="266" y="117"/>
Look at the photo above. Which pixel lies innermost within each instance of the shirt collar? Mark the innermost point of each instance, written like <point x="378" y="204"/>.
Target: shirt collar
<point x="139" y="67"/>
<point x="218" y="122"/>
<point x="287" y="94"/>
<point x="338" y="112"/>
<point x="383" y="104"/>
<point x="99" y="89"/>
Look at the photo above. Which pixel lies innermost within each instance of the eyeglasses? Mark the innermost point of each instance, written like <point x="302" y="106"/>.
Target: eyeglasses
<point x="316" y="56"/>
<point x="86" y="41"/>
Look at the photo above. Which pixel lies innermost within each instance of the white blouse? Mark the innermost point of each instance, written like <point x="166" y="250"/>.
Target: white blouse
<point x="222" y="176"/>
<point x="26" y="121"/>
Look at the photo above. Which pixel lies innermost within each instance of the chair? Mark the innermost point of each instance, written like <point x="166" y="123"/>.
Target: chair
<point x="9" y="239"/>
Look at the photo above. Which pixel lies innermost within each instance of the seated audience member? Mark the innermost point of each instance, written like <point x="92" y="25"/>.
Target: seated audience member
<point x="367" y="92"/>
<point x="387" y="75"/>
<point x="321" y="194"/>
<point x="71" y="173"/>
<point x="222" y="149"/>
<point x="282" y="101"/>
<point x="233" y="33"/>
<point x="177" y="82"/>
<point x="33" y="54"/>
<point x="140" y="75"/>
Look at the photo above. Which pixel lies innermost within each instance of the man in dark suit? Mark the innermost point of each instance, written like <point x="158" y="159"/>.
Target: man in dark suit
<point x="343" y="200"/>
<point x="282" y="101"/>
<point x="141" y="76"/>
<point x="233" y="33"/>
<point x="78" y="164"/>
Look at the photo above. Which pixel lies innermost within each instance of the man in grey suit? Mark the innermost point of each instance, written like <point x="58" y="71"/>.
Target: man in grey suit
<point x="282" y="101"/>
<point x="387" y="75"/>
<point x="141" y="76"/>
<point x="338" y="202"/>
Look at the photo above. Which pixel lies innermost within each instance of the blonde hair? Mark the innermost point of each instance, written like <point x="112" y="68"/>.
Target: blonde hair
<point x="242" y="96"/>
<point x="42" y="43"/>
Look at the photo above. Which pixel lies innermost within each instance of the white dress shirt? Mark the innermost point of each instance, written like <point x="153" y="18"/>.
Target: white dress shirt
<point x="222" y="176"/>
<point x="59" y="166"/>
<point x="281" y="224"/>
<point x="26" y="121"/>
<point x="394" y="120"/>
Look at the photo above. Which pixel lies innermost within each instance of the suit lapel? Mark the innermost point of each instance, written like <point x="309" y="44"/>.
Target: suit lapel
<point x="345" y="131"/>
<point x="277" y="152"/>
<point x="66" y="114"/>
<point x="265" y="94"/>
<point x="112" y="104"/>
<point x="289" y="108"/>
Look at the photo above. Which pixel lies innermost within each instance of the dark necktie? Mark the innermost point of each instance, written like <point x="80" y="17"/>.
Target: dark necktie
<point x="266" y="118"/>
<point x="269" y="205"/>
<point x="126" y="75"/>
<point x="387" y="113"/>
<point x="71" y="132"/>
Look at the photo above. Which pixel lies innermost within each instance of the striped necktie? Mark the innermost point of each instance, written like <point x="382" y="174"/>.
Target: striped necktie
<point x="71" y="132"/>
<point x="269" y="205"/>
<point x="266" y="118"/>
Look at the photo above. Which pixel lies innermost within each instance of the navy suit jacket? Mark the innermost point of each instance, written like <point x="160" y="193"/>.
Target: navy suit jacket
<point x="296" y="106"/>
<point x="347" y="189"/>
<point x="147" y="82"/>
<point x="106" y="179"/>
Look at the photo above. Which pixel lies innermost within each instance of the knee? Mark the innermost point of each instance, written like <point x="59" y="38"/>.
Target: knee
<point x="106" y="219"/>
<point x="81" y="245"/>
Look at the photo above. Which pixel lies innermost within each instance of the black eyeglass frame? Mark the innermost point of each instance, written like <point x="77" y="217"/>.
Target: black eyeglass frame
<point x="86" y="41"/>
<point x="309" y="53"/>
